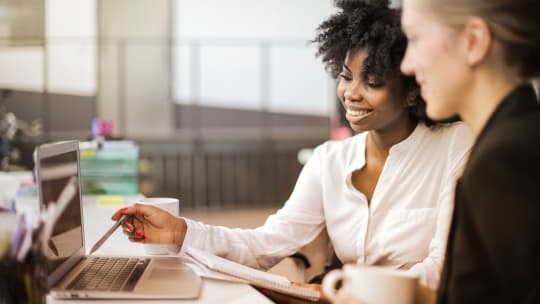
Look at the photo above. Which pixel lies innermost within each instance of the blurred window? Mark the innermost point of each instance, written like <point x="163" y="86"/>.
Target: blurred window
<point x="21" y="22"/>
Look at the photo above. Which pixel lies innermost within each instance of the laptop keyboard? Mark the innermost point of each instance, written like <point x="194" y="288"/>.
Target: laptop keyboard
<point x="110" y="274"/>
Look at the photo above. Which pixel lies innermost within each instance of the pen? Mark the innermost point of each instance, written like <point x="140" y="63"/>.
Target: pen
<point x="109" y="232"/>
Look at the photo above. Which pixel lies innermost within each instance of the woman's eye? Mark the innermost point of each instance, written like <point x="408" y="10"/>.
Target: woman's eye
<point x="345" y="76"/>
<point x="375" y="85"/>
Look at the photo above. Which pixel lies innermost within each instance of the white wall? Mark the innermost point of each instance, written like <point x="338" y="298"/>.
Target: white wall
<point x="71" y="40"/>
<point x="230" y="76"/>
<point x="70" y="61"/>
<point x="238" y="54"/>
<point x="261" y="19"/>
<point x="218" y="55"/>
<point x="299" y="83"/>
<point x="21" y="68"/>
<point x="134" y="67"/>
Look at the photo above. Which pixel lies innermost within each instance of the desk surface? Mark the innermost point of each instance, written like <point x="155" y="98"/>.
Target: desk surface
<point x="97" y="221"/>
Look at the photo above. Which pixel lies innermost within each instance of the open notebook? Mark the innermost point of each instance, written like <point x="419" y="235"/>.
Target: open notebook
<point x="252" y="276"/>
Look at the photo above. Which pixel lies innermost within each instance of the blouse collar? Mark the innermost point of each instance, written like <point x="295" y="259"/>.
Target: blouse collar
<point x="359" y="159"/>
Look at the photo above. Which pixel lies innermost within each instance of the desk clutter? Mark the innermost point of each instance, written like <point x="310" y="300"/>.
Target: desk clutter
<point x="38" y="202"/>
<point x="22" y="267"/>
<point x="26" y="245"/>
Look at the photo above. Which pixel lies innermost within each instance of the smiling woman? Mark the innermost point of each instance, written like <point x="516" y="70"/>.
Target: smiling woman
<point x="362" y="47"/>
<point x="368" y="39"/>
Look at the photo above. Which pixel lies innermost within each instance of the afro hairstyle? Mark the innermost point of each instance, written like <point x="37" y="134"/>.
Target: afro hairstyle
<point x="375" y="27"/>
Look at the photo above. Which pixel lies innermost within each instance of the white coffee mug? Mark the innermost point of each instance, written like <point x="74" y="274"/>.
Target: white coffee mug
<point x="372" y="284"/>
<point x="171" y="205"/>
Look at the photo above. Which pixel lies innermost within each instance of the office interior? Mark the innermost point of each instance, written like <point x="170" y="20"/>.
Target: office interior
<point x="219" y="97"/>
<point x="222" y="99"/>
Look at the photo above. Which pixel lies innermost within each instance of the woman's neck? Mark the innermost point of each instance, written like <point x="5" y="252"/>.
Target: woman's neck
<point x="487" y="93"/>
<point x="382" y="140"/>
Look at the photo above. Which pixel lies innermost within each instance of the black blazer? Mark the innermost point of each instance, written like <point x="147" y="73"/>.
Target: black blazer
<point x="493" y="253"/>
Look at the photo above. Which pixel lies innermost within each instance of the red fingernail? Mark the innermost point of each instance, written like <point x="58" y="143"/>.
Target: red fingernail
<point x="124" y="209"/>
<point x="138" y="233"/>
<point x="129" y="226"/>
<point x="143" y="237"/>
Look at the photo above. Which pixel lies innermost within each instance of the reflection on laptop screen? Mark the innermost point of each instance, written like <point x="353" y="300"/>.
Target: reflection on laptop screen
<point x="54" y="172"/>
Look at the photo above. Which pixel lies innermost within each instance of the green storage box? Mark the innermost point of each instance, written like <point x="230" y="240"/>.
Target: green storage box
<point x="112" y="168"/>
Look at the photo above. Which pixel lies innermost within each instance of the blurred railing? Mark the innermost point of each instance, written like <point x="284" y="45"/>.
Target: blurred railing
<point x="216" y="175"/>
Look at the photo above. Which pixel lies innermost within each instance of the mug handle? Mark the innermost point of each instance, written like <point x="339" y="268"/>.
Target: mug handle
<point x="329" y="284"/>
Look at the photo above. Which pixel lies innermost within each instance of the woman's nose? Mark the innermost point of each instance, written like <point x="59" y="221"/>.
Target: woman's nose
<point x="353" y="92"/>
<point x="406" y="63"/>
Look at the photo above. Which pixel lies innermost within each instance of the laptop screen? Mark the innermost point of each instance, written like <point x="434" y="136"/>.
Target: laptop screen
<point x="56" y="165"/>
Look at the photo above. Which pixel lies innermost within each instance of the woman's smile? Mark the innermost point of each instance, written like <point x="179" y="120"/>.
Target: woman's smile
<point x="357" y="115"/>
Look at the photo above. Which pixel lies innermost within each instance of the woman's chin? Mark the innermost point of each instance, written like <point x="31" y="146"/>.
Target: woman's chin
<point x="359" y="128"/>
<point x="438" y="113"/>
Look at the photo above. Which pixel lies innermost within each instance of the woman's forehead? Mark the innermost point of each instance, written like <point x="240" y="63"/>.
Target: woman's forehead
<point x="415" y="12"/>
<point x="410" y="14"/>
<point x="356" y="53"/>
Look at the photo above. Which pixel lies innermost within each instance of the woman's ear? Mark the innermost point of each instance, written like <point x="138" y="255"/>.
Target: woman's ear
<point x="478" y="40"/>
<point x="411" y="99"/>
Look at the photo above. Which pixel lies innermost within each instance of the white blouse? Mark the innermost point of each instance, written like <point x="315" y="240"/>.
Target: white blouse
<point x="405" y="225"/>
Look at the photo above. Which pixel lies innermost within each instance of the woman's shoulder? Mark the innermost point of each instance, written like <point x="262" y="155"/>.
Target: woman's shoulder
<point x="455" y="133"/>
<point x="342" y="149"/>
<point x="512" y="139"/>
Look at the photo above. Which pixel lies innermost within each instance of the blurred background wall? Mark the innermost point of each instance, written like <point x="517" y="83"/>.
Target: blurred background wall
<point x="156" y="67"/>
<point x="219" y="96"/>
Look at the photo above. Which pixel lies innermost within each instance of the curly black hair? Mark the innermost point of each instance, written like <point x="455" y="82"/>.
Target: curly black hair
<point x="370" y="25"/>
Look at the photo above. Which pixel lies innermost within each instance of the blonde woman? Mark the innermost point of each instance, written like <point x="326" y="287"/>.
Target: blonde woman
<point x="476" y="58"/>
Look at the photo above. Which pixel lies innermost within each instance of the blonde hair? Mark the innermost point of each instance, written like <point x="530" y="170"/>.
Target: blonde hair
<point x="515" y="24"/>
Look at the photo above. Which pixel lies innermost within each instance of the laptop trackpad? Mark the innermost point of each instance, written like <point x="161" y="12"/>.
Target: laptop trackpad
<point x="165" y="274"/>
<point x="171" y="277"/>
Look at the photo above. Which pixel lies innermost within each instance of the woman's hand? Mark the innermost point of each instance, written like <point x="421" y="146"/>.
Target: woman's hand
<point x="150" y="224"/>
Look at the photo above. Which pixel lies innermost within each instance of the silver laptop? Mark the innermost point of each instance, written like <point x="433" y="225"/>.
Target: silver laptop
<point x="72" y="274"/>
